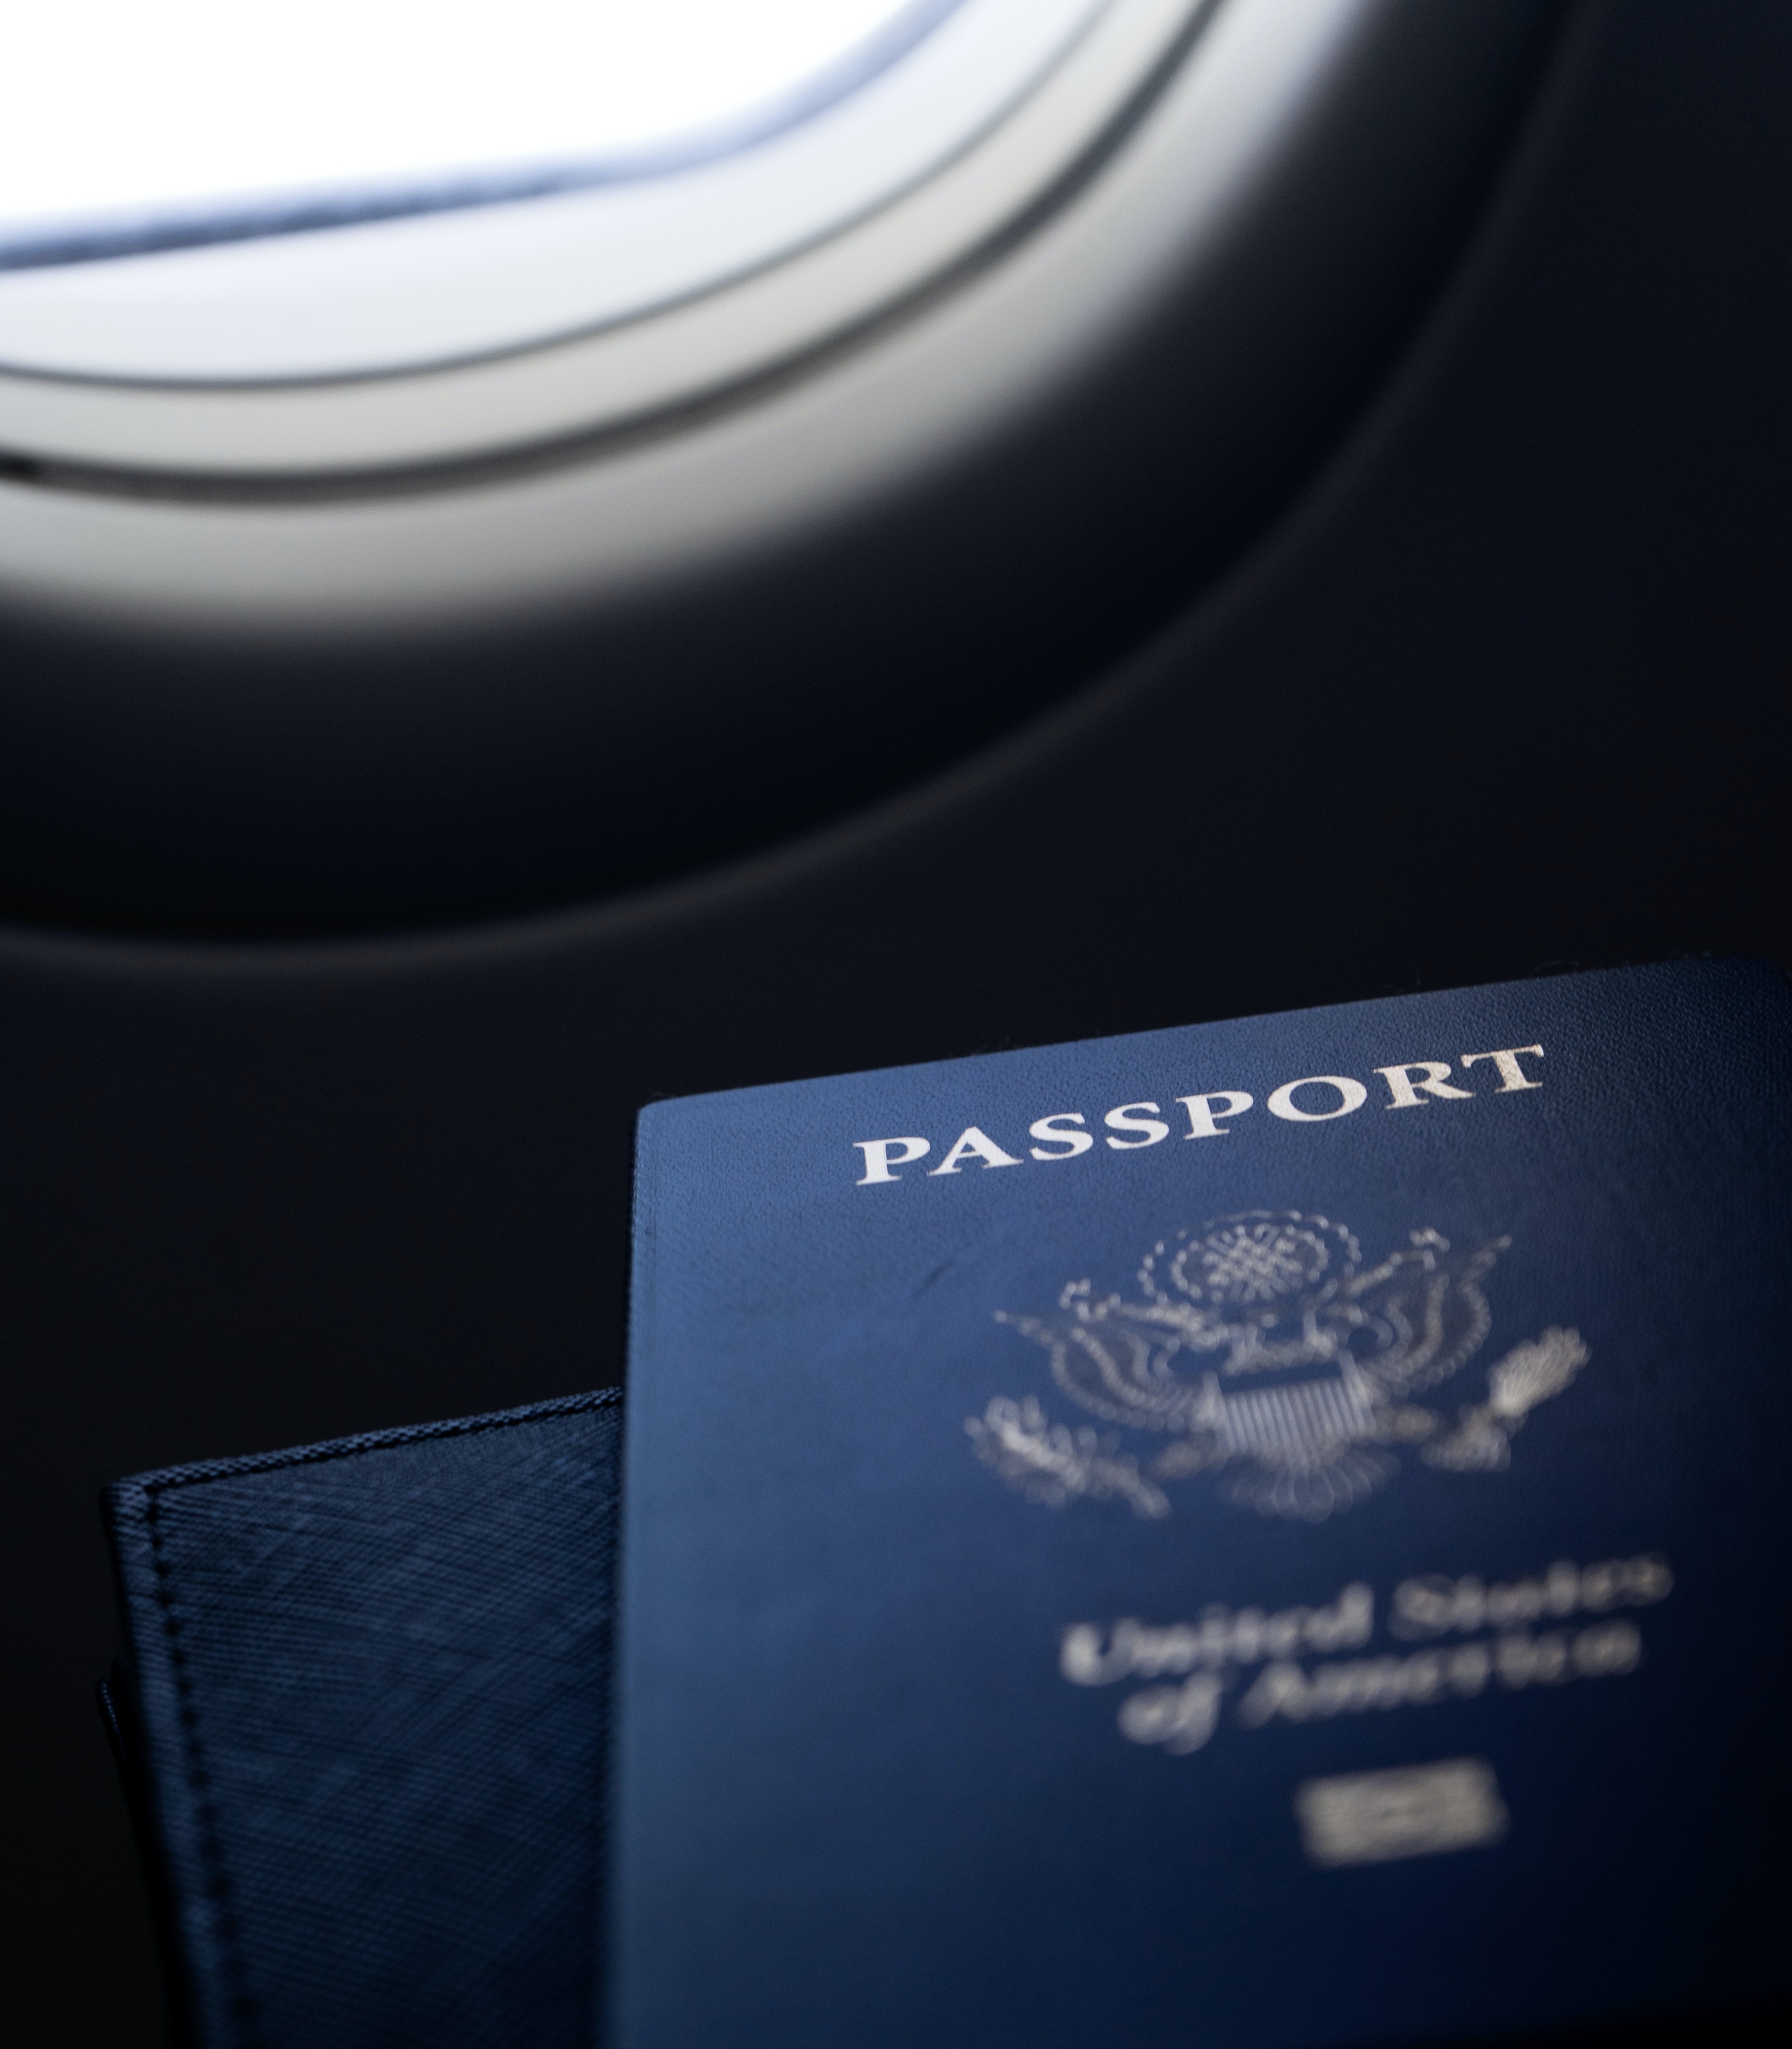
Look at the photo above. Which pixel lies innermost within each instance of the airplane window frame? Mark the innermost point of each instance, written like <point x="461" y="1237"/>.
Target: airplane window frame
<point x="367" y="301"/>
<point x="90" y="190"/>
<point x="583" y="474"/>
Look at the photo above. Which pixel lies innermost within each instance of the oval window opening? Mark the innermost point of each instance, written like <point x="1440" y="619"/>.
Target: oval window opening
<point x="309" y="200"/>
<point x="203" y="121"/>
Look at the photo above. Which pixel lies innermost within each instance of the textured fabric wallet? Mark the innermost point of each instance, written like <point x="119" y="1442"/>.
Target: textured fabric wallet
<point x="365" y="1724"/>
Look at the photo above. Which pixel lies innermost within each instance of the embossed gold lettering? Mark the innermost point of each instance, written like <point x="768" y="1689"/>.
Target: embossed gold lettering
<point x="1512" y="1076"/>
<point x="1347" y="1625"/>
<point x="973" y="1144"/>
<point x="1409" y="1081"/>
<point x="881" y="1157"/>
<point x="1436" y="1605"/>
<point x="1351" y="1096"/>
<point x="1179" y="1718"/>
<point x="1421" y="1679"/>
<point x="1204" y="1116"/>
<point x="1081" y="1660"/>
<point x="1089" y="1656"/>
<point x="1056" y="1142"/>
<point x="1149" y="1129"/>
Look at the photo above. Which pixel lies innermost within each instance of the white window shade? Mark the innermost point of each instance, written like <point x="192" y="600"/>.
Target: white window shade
<point x="524" y="624"/>
<point x="577" y="401"/>
<point x="132" y="125"/>
<point x="374" y="298"/>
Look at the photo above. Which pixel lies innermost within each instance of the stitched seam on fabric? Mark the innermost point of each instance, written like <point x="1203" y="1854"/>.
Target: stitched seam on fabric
<point x="380" y="1441"/>
<point x="239" y="2002"/>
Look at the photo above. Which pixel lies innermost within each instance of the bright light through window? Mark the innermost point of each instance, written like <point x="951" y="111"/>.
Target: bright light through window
<point x="173" y="120"/>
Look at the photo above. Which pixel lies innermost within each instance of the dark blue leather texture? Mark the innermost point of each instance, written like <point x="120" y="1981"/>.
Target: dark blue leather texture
<point x="371" y="1692"/>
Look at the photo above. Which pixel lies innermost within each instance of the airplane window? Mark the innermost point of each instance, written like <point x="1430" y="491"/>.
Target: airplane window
<point x="600" y="163"/>
<point x="209" y="122"/>
<point x="672" y="463"/>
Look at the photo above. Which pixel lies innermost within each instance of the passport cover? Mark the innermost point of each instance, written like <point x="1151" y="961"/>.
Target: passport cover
<point x="366" y="1729"/>
<point x="1265" y="1534"/>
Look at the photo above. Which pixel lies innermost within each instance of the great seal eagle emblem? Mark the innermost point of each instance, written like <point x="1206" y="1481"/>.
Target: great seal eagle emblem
<point x="1261" y="1346"/>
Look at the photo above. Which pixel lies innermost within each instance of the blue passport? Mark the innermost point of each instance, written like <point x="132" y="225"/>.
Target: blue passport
<point x="1263" y="1533"/>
